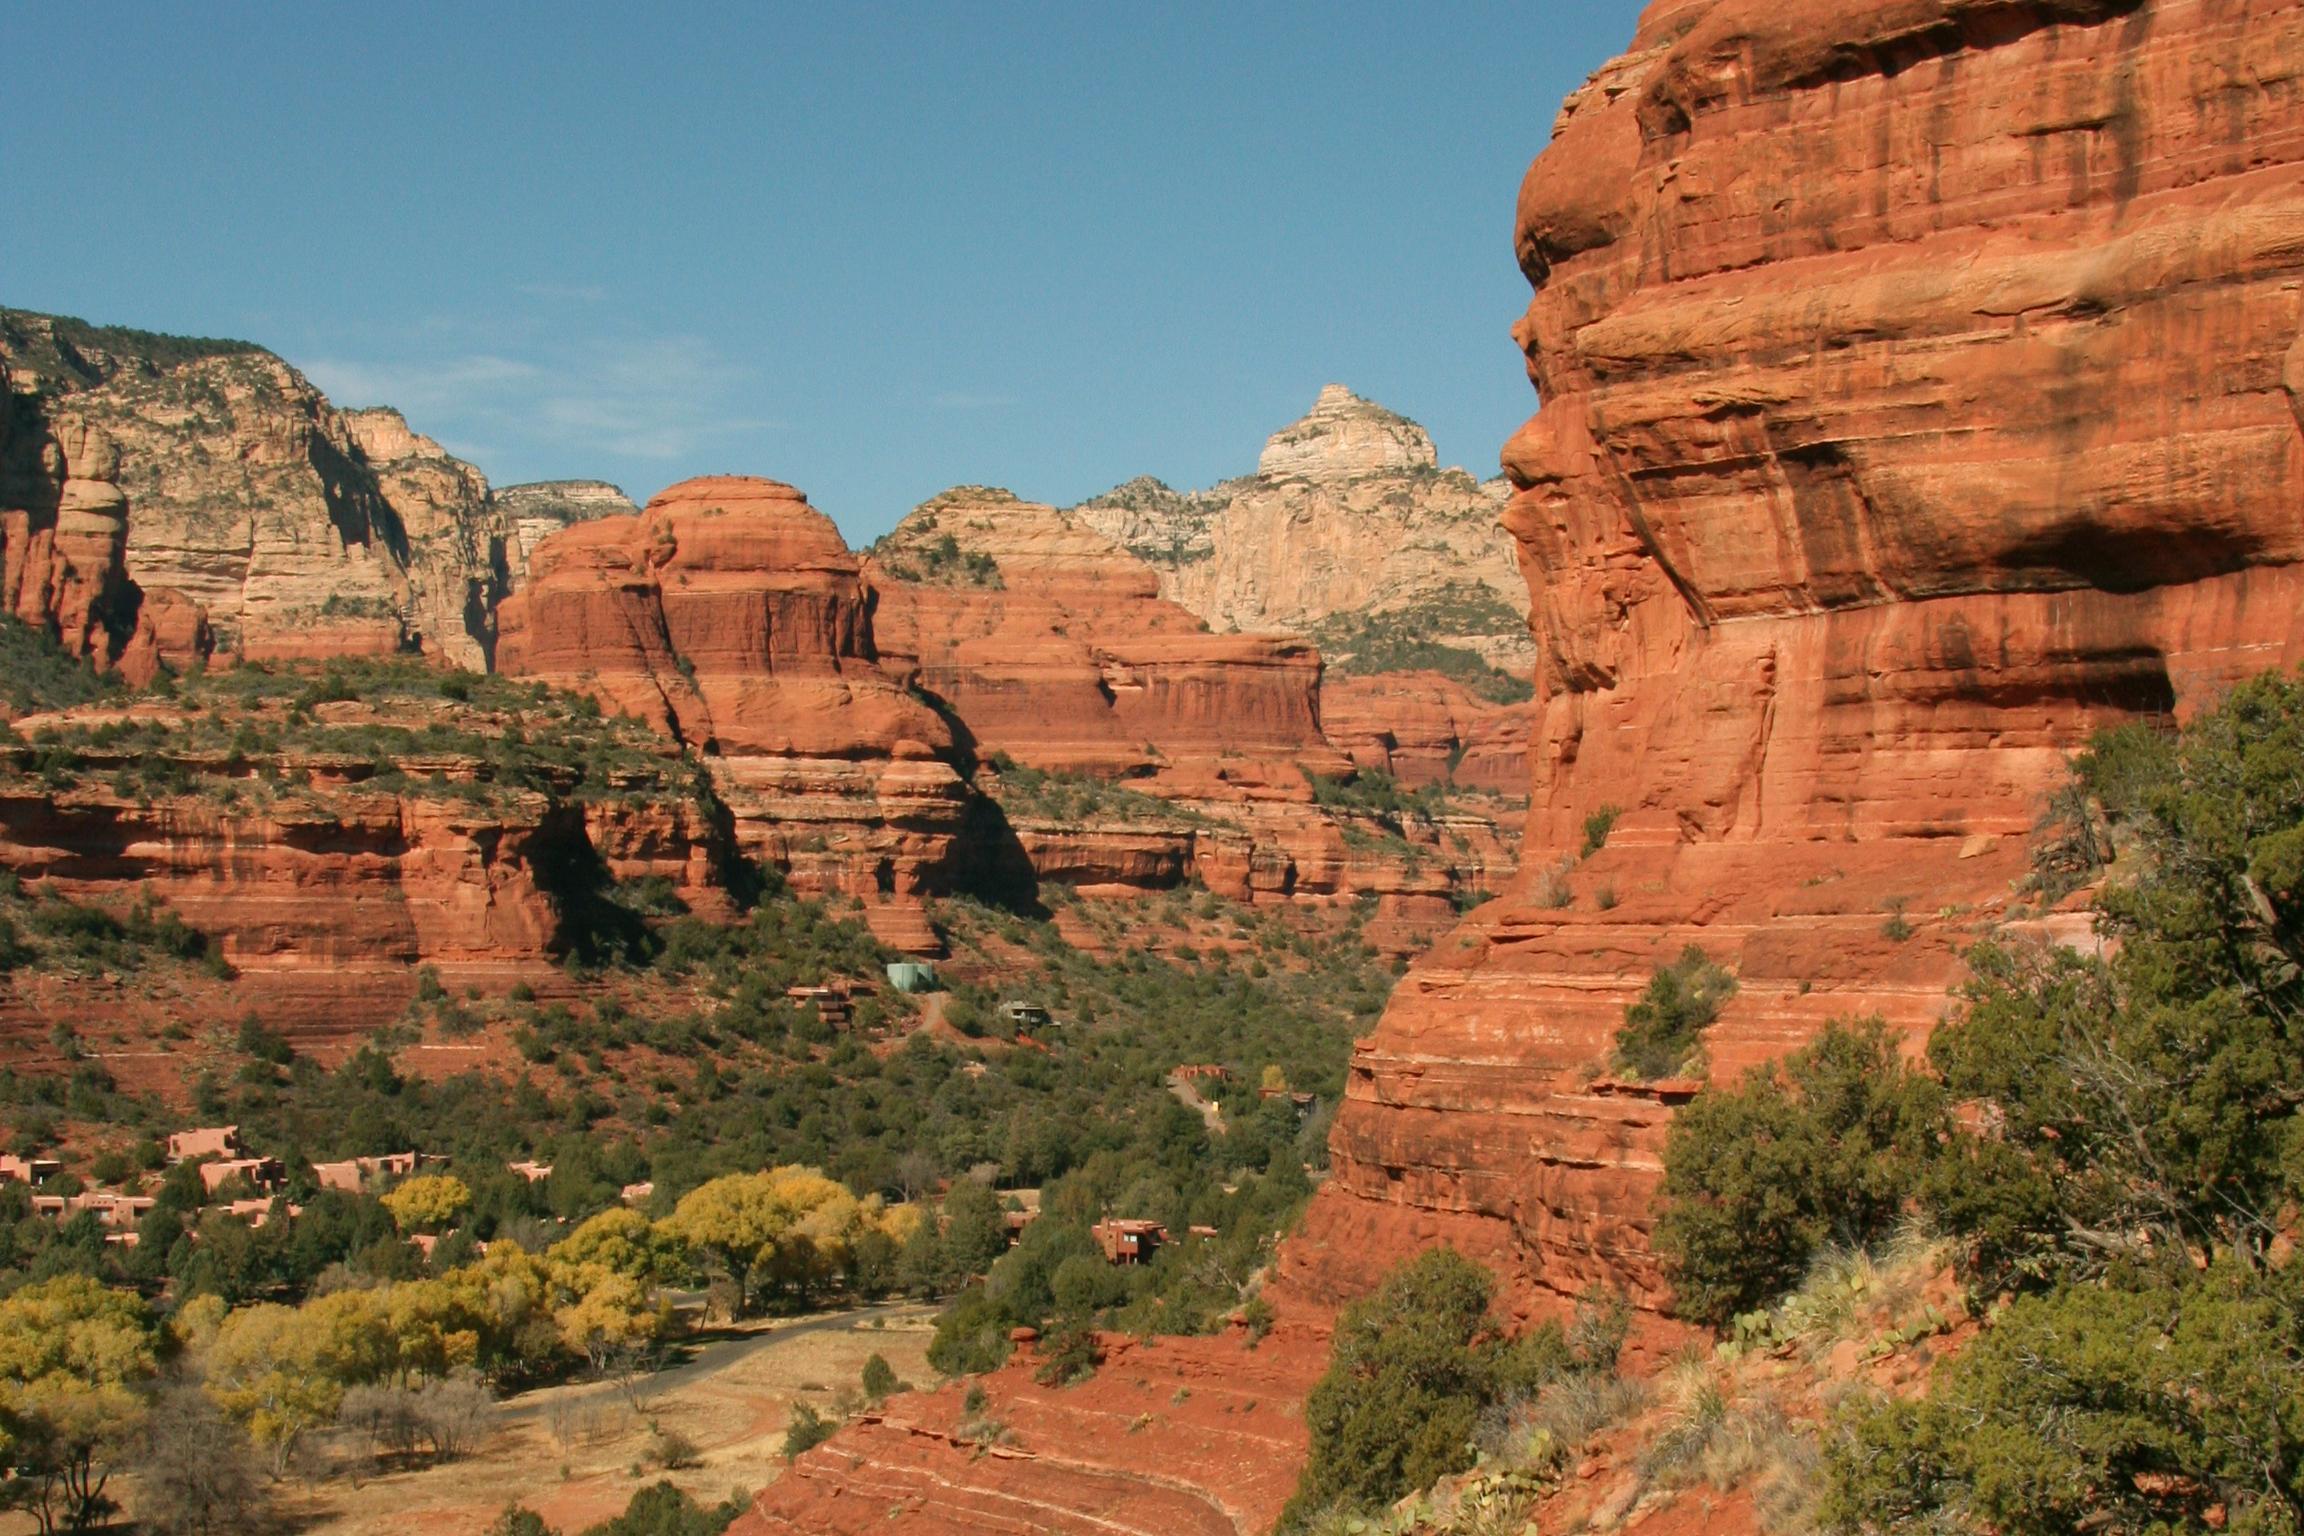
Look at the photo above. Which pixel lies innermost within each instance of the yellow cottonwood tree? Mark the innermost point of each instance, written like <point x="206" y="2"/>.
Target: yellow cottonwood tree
<point x="72" y="1355"/>
<point x="790" y="1224"/>
<point x="281" y="1371"/>
<point x="621" y="1241"/>
<point x="738" y="1219"/>
<point x="428" y="1202"/>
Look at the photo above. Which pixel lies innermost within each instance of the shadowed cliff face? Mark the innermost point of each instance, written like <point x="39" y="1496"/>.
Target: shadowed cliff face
<point x="161" y="487"/>
<point x="1918" y="392"/>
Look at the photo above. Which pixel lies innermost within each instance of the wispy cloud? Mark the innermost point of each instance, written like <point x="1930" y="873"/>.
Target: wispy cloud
<point x="971" y="400"/>
<point x="659" y="397"/>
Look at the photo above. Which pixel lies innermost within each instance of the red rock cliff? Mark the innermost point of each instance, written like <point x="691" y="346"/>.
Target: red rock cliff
<point x="1920" y="392"/>
<point x="730" y="613"/>
<point x="1057" y="649"/>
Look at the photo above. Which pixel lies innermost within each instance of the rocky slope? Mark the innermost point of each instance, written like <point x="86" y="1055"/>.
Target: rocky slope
<point x="1348" y="515"/>
<point x="1920" y="393"/>
<point x="234" y="488"/>
<point x="1172" y="1437"/>
<point x="1920" y="389"/>
<point x="540" y="508"/>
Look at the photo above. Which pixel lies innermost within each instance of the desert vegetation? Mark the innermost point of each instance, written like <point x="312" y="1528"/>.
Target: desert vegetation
<point x="672" y="1126"/>
<point x="2039" y="1279"/>
<point x="1367" y="644"/>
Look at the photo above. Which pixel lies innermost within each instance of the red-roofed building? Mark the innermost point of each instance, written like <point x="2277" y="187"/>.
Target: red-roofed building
<point x="1128" y="1241"/>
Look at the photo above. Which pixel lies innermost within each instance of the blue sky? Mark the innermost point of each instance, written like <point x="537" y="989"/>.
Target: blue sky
<point x="874" y="250"/>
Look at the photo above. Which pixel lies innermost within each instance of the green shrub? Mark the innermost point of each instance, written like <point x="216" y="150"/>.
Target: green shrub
<point x="36" y="674"/>
<point x="2131" y="1170"/>
<point x="1410" y="1369"/>
<point x="879" y="1378"/>
<point x="1664" y="1026"/>
<point x="662" y="1509"/>
<point x="971" y="1335"/>
<point x="1597" y="826"/>
<point x="806" y="1430"/>
<point x="2163" y="1408"/>
<point x="1404" y="640"/>
<point x="1071" y="1354"/>
<point x="1830" y="1145"/>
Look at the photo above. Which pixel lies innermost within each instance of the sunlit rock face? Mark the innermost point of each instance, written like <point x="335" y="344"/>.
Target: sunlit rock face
<point x="206" y="493"/>
<point x="1919" y="388"/>
<point x="731" y="614"/>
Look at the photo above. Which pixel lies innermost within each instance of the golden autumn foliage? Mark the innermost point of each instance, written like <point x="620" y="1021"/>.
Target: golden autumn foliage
<point x="428" y="1202"/>
<point x="791" y="1226"/>
<point x="73" y="1356"/>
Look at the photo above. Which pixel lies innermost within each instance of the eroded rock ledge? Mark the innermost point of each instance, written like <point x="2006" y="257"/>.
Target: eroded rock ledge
<point x="1918" y="388"/>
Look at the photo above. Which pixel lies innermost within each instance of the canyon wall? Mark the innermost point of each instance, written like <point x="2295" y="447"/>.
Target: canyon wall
<point x="1920" y="393"/>
<point x="1348" y="514"/>
<point x="1921" y="390"/>
<point x="211" y="481"/>
<point x="730" y="615"/>
<point x="1051" y="649"/>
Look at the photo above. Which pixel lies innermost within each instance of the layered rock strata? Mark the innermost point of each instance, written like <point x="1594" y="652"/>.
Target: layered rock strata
<point x="1050" y="647"/>
<point x="1920" y="386"/>
<point x="1053" y="645"/>
<point x="1171" y="1437"/>
<point x="325" y="877"/>
<point x="234" y="490"/>
<point x="1919" y="389"/>
<point x="1425" y="730"/>
<point x="730" y="614"/>
<point x="1349" y="514"/>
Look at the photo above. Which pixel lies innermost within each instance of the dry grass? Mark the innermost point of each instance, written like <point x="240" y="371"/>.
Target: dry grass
<point x="581" y="1454"/>
<point x="1715" y="1433"/>
<point x="1848" y="1291"/>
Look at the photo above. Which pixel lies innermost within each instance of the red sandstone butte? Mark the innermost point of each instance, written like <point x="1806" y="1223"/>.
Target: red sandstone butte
<point x="730" y="613"/>
<point x="1920" y="393"/>
<point x="1073" y="660"/>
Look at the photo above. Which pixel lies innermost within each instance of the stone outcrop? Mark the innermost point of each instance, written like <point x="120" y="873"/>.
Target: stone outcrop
<point x="1348" y="515"/>
<point x="1170" y="1437"/>
<point x="535" y="511"/>
<point x="1050" y="647"/>
<point x="239" y="492"/>
<point x="1918" y="395"/>
<point x="730" y="614"/>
